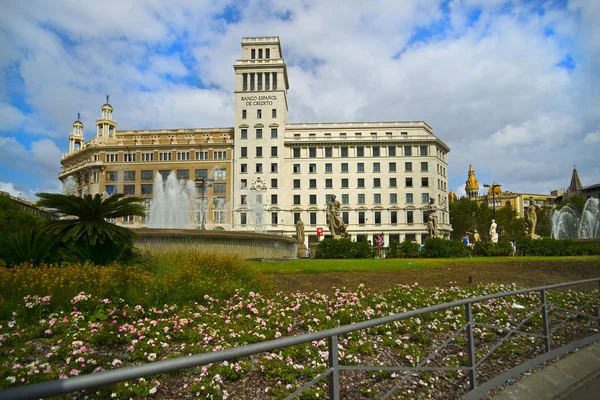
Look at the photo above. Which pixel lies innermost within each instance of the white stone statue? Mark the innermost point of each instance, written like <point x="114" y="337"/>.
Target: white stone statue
<point x="432" y="222"/>
<point x="493" y="233"/>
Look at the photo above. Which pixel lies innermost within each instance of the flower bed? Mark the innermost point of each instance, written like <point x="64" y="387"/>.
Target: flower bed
<point x="100" y="334"/>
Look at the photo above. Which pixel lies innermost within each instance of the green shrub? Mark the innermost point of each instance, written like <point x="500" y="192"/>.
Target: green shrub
<point x="406" y="249"/>
<point x="343" y="249"/>
<point x="33" y="246"/>
<point x="100" y="253"/>
<point x="442" y="248"/>
<point x="555" y="247"/>
<point x="490" y="249"/>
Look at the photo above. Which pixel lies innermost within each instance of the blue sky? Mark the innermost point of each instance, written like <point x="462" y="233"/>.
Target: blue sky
<point x="510" y="86"/>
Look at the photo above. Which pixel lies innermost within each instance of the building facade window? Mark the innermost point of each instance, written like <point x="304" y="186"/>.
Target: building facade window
<point x="244" y="134"/>
<point x="146" y="188"/>
<point x="296" y="153"/>
<point x="407" y="151"/>
<point x="391" y="151"/>
<point x="312" y="199"/>
<point x="313" y="218"/>
<point x="360" y="183"/>
<point x="274" y="167"/>
<point x="128" y="176"/>
<point x="312" y="183"/>
<point x="343" y="152"/>
<point x="393" y="198"/>
<point x="297" y="199"/>
<point x="296" y="168"/>
<point x="409" y="198"/>
<point x="273" y="133"/>
<point x="393" y="182"/>
<point x="259" y="133"/>
<point x="345" y="198"/>
<point x="360" y="167"/>
<point x="328" y="168"/>
<point x="183" y="174"/>
<point x="409" y="217"/>
<point x="345" y="167"/>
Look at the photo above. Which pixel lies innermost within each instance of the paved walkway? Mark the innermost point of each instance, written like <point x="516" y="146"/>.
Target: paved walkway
<point x="574" y="377"/>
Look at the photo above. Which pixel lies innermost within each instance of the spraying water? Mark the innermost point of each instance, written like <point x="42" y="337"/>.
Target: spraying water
<point x="568" y="224"/>
<point x="70" y="186"/>
<point x="173" y="204"/>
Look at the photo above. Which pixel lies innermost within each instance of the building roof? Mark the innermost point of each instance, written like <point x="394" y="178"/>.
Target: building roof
<point x="575" y="186"/>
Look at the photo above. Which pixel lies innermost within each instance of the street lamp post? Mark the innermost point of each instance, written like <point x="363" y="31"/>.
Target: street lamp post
<point x="493" y="186"/>
<point x="204" y="184"/>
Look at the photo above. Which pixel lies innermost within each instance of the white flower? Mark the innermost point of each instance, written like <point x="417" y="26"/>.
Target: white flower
<point x="151" y="356"/>
<point x="153" y="390"/>
<point x="11" y="379"/>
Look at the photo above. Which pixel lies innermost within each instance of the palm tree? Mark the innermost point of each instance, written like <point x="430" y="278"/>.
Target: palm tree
<point x="86" y="217"/>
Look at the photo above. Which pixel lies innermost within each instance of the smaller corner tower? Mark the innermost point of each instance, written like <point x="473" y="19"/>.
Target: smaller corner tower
<point x="106" y="127"/>
<point x="472" y="186"/>
<point x="76" y="136"/>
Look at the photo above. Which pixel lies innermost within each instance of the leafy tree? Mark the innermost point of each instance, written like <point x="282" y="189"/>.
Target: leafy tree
<point x="463" y="217"/>
<point x="576" y="200"/>
<point x="511" y="226"/>
<point x="544" y="221"/>
<point x="14" y="219"/>
<point x="86" y="217"/>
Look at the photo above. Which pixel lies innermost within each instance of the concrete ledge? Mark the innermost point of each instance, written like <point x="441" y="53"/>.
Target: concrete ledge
<point x="558" y="380"/>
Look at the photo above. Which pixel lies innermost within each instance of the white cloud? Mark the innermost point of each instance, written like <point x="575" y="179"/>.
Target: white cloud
<point x="592" y="138"/>
<point x="490" y="89"/>
<point x="42" y="158"/>
<point x="19" y="191"/>
<point x="460" y="191"/>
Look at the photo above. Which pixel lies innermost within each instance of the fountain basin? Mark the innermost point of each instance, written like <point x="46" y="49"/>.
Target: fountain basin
<point x="243" y="244"/>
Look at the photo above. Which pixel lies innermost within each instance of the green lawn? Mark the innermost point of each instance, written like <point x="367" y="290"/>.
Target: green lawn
<point x="394" y="264"/>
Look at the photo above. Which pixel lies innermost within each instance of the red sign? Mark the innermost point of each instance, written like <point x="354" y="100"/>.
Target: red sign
<point x="319" y="231"/>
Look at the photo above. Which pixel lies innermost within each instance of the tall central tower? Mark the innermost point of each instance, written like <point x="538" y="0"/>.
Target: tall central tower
<point x="259" y="126"/>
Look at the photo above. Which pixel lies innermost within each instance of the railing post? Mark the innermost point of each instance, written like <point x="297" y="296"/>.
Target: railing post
<point x="470" y="347"/>
<point x="545" y="324"/>
<point x="334" y="377"/>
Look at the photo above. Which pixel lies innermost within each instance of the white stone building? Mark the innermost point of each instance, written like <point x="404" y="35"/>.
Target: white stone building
<point x="383" y="173"/>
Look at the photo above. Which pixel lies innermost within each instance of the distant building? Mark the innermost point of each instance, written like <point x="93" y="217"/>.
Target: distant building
<point x="518" y="201"/>
<point x="576" y="188"/>
<point x="31" y="207"/>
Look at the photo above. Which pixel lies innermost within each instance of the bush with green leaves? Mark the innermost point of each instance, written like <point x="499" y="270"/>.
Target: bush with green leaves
<point x="442" y="248"/>
<point x="555" y="247"/>
<point x="405" y="249"/>
<point x="35" y="247"/>
<point x="343" y="249"/>
<point x="490" y="249"/>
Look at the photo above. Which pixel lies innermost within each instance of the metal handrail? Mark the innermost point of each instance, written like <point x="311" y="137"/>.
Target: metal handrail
<point x="105" y="378"/>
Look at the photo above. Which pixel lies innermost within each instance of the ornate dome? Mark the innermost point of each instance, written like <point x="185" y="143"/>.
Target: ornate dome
<point x="471" y="183"/>
<point x="497" y="190"/>
<point x="452" y="196"/>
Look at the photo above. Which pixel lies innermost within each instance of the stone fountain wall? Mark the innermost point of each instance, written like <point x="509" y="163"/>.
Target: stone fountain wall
<point x="244" y="244"/>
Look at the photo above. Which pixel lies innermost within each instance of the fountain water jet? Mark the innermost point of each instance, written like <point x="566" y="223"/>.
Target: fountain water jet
<point x="568" y="224"/>
<point x="173" y="204"/>
<point x="70" y="186"/>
